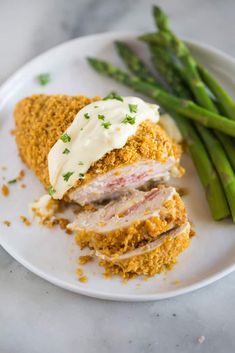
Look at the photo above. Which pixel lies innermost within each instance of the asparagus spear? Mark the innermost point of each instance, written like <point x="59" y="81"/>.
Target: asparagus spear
<point x="170" y="75"/>
<point x="205" y="169"/>
<point x="225" y="100"/>
<point x="167" y="40"/>
<point x="224" y="169"/>
<point x="222" y="96"/>
<point x="135" y="64"/>
<point x="166" y="67"/>
<point x="207" y="174"/>
<point x="196" y="148"/>
<point x="212" y="144"/>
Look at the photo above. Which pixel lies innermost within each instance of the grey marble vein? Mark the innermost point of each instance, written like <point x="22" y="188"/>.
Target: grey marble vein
<point x="36" y="316"/>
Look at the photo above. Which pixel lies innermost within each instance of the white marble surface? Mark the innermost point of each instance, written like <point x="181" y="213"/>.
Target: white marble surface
<point x="35" y="316"/>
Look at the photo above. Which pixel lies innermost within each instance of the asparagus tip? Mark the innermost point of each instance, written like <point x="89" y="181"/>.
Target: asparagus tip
<point x="119" y="45"/>
<point x="156" y="10"/>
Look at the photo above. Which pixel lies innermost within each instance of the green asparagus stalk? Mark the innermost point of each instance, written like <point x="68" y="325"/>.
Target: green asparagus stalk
<point x="181" y="106"/>
<point x="170" y="75"/>
<point x="135" y="64"/>
<point x="167" y="40"/>
<point x="181" y="51"/>
<point x="222" y="96"/>
<point x="175" y="78"/>
<point x="165" y="66"/>
<point x="224" y="168"/>
<point x="205" y="169"/>
<point x="196" y="148"/>
<point x="212" y="144"/>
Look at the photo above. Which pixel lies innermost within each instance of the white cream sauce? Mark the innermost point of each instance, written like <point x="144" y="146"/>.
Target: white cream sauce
<point x="97" y="129"/>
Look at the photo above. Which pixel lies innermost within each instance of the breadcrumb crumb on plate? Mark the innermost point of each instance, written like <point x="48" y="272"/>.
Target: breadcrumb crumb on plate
<point x="7" y="223"/>
<point x="25" y="220"/>
<point x="5" y="190"/>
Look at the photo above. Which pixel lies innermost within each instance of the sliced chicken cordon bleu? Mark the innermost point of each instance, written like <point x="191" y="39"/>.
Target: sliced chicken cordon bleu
<point x="128" y="227"/>
<point x="88" y="151"/>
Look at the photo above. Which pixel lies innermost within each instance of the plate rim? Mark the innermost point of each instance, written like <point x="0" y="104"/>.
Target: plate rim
<point x="4" y="89"/>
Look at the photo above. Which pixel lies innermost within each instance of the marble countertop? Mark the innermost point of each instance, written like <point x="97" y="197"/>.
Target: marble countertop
<point x="36" y="316"/>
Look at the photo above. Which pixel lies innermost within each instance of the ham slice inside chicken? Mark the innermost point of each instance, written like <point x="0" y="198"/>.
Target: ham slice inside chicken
<point x="137" y="205"/>
<point x="120" y="180"/>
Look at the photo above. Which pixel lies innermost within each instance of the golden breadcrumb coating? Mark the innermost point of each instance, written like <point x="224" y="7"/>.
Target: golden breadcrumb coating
<point x="149" y="264"/>
<point x="41" y="120"/>
<point x="138" y="233"/>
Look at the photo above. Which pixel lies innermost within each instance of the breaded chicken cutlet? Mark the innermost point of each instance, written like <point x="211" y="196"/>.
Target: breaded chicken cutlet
<point x="148" y="155"/>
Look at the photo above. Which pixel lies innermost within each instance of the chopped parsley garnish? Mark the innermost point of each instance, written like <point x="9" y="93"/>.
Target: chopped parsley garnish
<point x="66" y="151"/>
<point x="86" y="116"/>
<point x="106" y="125"/>
<point x="133" y="108"/>
<point x="13" y="181"/>
<point x="101" y="116"/>
<point x="65" y="137"/>
<point x="129" y="120"/>
<point x="51" y="190"/>
<point x="44" y="79"/>
<point x="80" y="163"/>
<point x="113" y="95"/>
<point x="67" y="176"/>
<point x="96" y="106"/>
<point x="81" y="176"/>
<point x="81" y="129"/>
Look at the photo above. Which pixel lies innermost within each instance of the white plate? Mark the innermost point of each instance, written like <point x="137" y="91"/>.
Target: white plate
<point x="52" y="254"/>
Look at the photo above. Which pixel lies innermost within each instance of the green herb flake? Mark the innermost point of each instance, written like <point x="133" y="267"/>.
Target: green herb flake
<point x="81" y="129"/>
<point x="51" y="190"/>
<point x="65" y="137"/>
<point x="101" y="117"/>
<point x="86" y="116"/>
<point x="44" y="79"/>
<point x="96" y="106"/>
<point x="133" y="108"/>
<point x="113" y="95"/>
<point x="80" y="163"/>
<point x="13" y="181"/>
<point x="129" y="120"/>
<point x="106" y="125"/>
<point x="66" y="151"/>
<point x="67" y="176"/>
<point x="81" y="176"/>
